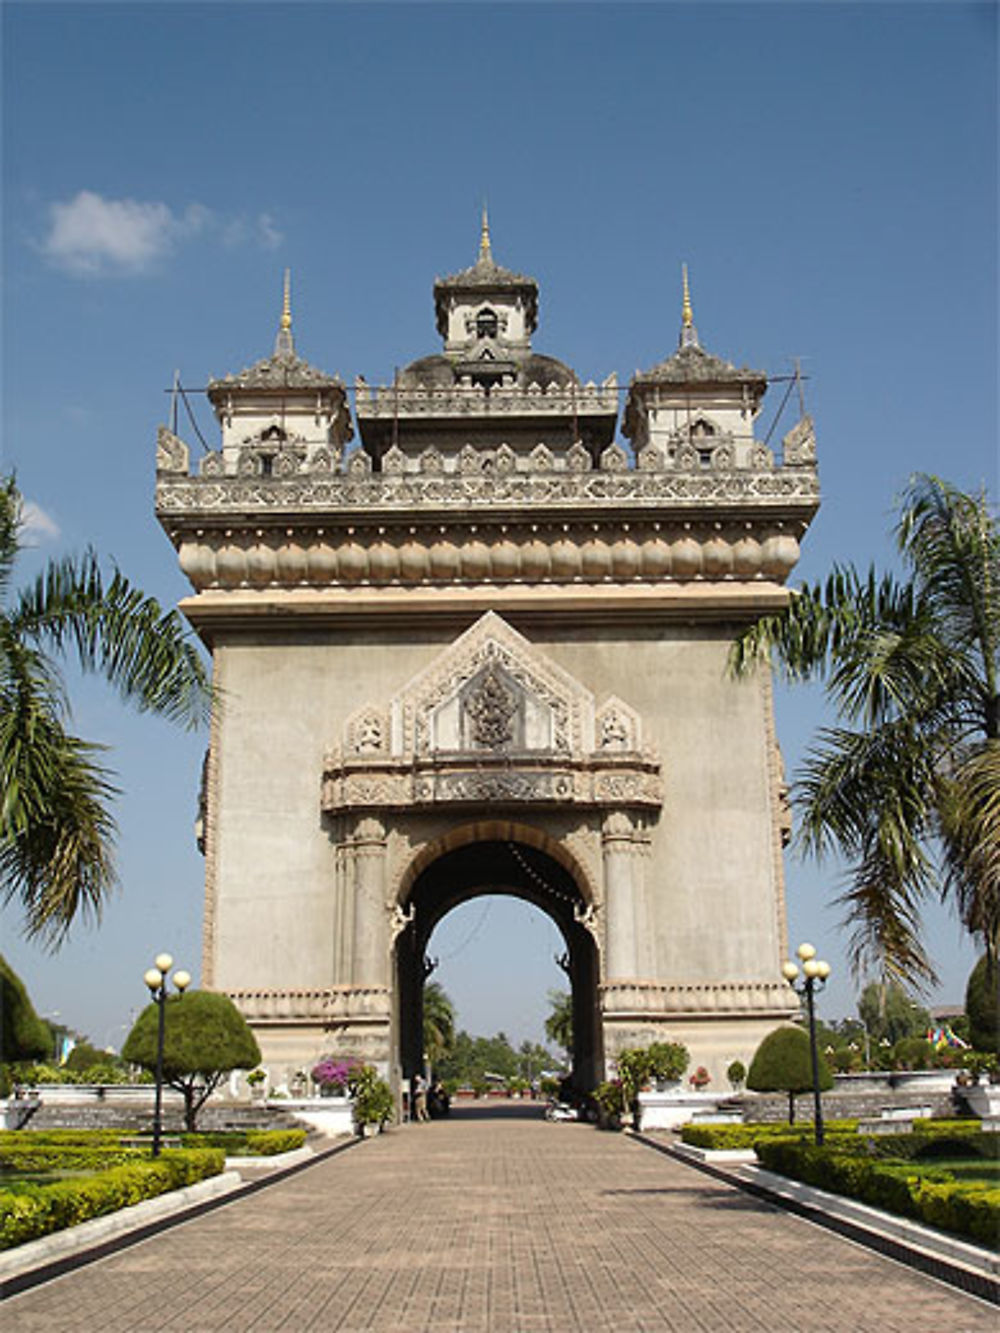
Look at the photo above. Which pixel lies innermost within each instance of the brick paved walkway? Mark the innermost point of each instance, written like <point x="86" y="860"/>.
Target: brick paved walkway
<point x="504" y="1224"/>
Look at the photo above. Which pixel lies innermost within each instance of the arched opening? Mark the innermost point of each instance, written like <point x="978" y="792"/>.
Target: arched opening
<point x="509" y="867"/>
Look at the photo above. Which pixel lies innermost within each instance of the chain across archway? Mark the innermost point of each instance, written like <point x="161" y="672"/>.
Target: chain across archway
<point x="518" y="869"/>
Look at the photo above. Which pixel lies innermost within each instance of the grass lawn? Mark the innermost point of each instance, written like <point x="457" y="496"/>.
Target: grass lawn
<point x="965" y="1168"/>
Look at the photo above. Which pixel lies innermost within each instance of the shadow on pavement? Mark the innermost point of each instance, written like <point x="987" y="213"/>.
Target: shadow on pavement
<point x="496" y="1109"/>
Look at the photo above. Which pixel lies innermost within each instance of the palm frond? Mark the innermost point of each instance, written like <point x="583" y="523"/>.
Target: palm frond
<point x="970" y="833"/>
<point x="872" y="796"/>
<point x="10" y="527"/>
<point x="117" y="631"/>
<point x="953" y="543"/>
<point x="56" y="832"/>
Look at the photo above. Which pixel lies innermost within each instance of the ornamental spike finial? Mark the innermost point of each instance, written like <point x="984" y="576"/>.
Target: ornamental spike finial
<point x="485" y="253"/>
<point x="689" y="334"/>
<point x="286" y="309"/>
<point x="283" y="345"/>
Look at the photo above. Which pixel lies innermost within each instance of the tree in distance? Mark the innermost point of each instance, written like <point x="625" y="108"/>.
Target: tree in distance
<point x="981" y="1006"/>
<point x="559" y="1023"/>
<point x="889" y="1013"/>
<point x="439" y="1024"/>
<point x="205" y="1038"/>
<point x="23" y="1035"/>
<point x="909" y="789"/>
<point x="783" y="1063"/>
<point x="56" y="831"/>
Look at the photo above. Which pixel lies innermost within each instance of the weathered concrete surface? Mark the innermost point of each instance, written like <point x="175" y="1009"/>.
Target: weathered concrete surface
<point x="489" y="1222"/>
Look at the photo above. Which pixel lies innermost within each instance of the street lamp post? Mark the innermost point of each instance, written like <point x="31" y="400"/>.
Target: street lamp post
<point x="814" y="974"/>
<point x="156" y="980"/>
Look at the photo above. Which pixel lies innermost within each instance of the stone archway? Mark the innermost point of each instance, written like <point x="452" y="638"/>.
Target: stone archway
<point x="508" y="866"/>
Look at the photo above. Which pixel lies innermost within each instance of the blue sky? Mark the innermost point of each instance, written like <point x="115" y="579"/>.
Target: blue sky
<point x="828" y="172"/>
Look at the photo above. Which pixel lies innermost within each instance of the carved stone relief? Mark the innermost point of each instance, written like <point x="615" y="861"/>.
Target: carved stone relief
<point x="492" y="720"/>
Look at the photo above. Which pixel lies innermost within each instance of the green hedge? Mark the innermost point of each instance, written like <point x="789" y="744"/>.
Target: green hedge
<point x="52" y="1138"/>
<point x="65" y="1157"/>
<point x="251" y="1142"/>
<point x="727" y="1137"/>
<point x="47" y="1208"/>
<point x="966" y="1208"/>
<point x="745" y="1136"/>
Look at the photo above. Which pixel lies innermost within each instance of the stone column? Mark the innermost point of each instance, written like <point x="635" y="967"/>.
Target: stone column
<point x="620" y="896"/>
<point x="370" y="943"/>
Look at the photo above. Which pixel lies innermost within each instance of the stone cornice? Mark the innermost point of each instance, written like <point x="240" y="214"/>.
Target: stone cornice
<point x="647" y="999"/>
<point x="532" y="606"/>
<point x="323" y="1004"/>
<point x="466" y="553"/>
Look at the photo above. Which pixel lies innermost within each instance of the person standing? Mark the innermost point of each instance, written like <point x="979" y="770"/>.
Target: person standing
<point x="420" y="1098"/>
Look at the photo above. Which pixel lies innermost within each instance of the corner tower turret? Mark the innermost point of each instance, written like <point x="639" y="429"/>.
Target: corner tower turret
<point x="280" y="411"/>
<point x="691" y="404"/>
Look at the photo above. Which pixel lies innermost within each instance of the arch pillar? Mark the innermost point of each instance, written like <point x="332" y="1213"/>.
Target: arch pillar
<point x="626" y="937"/>
<point x="370" y="935"/>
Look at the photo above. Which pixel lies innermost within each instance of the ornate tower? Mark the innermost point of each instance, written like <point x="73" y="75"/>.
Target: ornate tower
<point x="486" y="652"/>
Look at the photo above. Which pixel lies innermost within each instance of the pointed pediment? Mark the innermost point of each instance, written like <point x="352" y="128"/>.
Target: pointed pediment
<point x="492" y="690"/>
<point x="492" y="720"/>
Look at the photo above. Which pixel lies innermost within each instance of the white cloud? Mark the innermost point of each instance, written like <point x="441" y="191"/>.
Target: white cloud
<point x="91" y="236"/>
<point x="36" y="524"/>
<point x="268" y="234"/>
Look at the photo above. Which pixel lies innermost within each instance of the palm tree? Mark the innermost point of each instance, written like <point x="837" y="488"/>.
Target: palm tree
<point x="559" y="1022"/>
<point x="56" y="830"/>
<point x="909" y="790"/>
<point x="439" y="1023"/>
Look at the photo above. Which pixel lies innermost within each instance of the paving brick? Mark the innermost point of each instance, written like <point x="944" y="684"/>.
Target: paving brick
<point x="496" y="1224"/>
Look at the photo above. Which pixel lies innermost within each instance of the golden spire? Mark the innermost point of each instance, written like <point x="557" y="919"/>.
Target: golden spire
<point x="283" y="344"/>
<point x="689" y="334"/>
<point x="286" y="309"/>
<point x="485" y="253"/>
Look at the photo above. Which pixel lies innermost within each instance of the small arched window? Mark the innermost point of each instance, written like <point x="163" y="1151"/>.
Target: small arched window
<point x="487" y="324"/>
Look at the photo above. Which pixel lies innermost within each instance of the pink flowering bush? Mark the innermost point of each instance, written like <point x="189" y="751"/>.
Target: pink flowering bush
<point x="333" y="1074"/>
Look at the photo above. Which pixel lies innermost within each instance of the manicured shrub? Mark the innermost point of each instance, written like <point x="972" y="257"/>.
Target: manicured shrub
<point x="93" y="1138"/>
<point x="23" y="1035"/>
<point x="783" y="1063"/>
<point x="736" y="1072"/>
<point x="64" y="1157"/>
<point x="206" y="1037"/>
<point x="47" y="1208"/>
<point x="728" y="1137"/>
<point x="247" y="1142"/>
<point x="981" y="1006"/>
<point x="965" y="1208"/>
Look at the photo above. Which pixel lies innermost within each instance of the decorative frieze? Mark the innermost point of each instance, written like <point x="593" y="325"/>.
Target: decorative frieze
<point x="321" y="1004"/>
<point x="627" y="999"/>
<point x="415" y="784"/>
<point x="390" y="402"/>
<point x="576" y="482"/>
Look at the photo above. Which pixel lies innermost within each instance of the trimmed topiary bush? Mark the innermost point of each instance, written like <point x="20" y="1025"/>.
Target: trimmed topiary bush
<point x="783" y="1063"/>
<point x="23" y="1035"/>
<point x="981" y="1006"/>
<point x="206" y="1037"/>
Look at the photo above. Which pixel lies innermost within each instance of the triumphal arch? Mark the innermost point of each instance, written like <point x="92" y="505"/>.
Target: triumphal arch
<point x="483" y="649"/>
